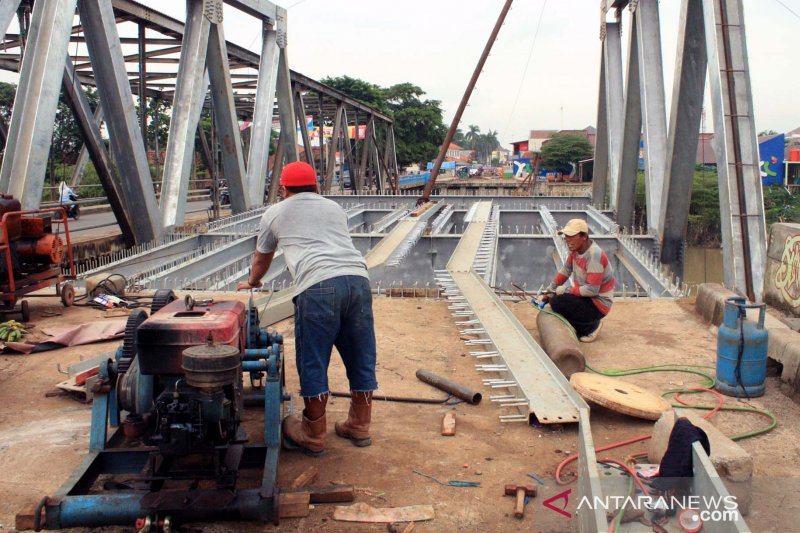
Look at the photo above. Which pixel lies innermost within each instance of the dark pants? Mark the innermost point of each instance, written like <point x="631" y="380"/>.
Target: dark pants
<point x="335" y="312"/>
<point x="579" y="311"/>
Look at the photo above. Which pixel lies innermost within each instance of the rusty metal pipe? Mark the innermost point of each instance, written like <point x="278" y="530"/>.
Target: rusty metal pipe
<point x="456" y="389"/>
<point x="464" y="100"/>
<point x="560" y="344"/>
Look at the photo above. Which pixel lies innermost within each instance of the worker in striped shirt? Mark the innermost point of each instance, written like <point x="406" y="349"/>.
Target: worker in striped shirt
<point x="589" y="299"/>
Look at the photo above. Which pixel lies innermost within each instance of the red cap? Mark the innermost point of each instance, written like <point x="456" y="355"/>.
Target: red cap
<point x="298" y="174"/>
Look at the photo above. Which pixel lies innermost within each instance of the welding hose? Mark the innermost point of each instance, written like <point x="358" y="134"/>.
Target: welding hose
<point x="711" y="409"/>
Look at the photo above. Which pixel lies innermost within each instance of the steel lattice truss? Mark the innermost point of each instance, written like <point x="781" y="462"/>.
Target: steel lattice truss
<point x="125" y="49"/>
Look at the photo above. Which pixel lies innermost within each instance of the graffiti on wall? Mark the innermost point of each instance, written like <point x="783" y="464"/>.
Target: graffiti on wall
<point x="787" y="278"/>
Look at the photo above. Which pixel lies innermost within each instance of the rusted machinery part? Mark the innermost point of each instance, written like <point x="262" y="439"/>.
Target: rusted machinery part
<point x="560" y="344"/>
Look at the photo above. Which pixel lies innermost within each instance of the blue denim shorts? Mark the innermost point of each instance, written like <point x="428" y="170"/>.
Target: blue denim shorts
<point x="335" y="312"/>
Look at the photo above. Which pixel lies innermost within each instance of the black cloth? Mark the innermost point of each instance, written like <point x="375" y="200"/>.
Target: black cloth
<point x="579" y="311"/>
<point x="676" y="465"/>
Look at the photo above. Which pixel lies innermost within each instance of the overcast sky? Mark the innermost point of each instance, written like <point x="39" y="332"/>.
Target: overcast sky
<point x="547" y="84"/>
<point x="532" y="80"/>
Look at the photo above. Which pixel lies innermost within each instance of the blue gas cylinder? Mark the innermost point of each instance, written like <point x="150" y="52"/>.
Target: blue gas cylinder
<point x="741" y="351"/>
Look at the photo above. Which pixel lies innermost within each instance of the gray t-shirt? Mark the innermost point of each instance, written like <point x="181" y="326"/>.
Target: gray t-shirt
<point x="312" y="232"/>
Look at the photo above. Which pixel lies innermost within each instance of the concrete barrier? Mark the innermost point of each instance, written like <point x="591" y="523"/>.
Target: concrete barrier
<point x="733" y="464"/>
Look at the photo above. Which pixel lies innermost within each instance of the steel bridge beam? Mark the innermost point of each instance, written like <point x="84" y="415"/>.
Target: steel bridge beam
<point x="612" y="48"/>
<point x="258" y="159"/>
<point x="127" y="145"/>
<point x="631" y="133"/>
<point x="744" y="234"/>
<point x="684" y="128"/>
<point x="227" y="124"/>
<point x="190" y="92"/>
<point x="654" y="116"/>
<point x="32" y="119"/>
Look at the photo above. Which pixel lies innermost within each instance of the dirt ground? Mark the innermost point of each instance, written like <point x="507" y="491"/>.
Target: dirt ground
<point x="43" y="438"/>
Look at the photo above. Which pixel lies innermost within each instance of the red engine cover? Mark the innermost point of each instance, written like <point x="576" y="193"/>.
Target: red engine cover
<point x="163" y="337"/>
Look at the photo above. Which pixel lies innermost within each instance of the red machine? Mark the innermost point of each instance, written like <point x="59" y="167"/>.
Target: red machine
<point x="31" y="254"/>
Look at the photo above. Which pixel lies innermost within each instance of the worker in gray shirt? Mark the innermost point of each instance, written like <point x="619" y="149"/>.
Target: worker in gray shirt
<point x="332" y="305"/>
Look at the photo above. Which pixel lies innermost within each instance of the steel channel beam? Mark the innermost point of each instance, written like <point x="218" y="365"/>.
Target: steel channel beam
<point x="127" y="145"/>
<point x="706" y="482"/>
<point x="744" y="234"/>
<point x="143" y="261"/>
<point x="614" y="104"/>
<point x="227" y="124"/>
<point x="83" y="156"/>
<point x="8" y="10"/>
<point x="600" y="171"/>
<point x="654" y="283"/>
<point x="654" y="114"/>
<point x="684" y="128"/>
<point x="631" y="133"/>
<point x="258" y="159"/>
<point x="600" y="220"/>
<point x="283" y="91"/>
<point x="189" y="95"/>
<point x="30" y="132"/>
<point x="547" y="393"/>
<point x="106" y="171"/>
<point x="591" y="518"/>
<point x="382" y="225"/>
<point x="202" y="267"/>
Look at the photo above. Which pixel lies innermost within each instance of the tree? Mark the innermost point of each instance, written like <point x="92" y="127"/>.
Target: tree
<point x="767" y="132"/>
<point x="7" y="93"/>
<point x="369" y="93"/>
<point x="458" y="138"/>
<point x="563" y="149"/>
<point x="472" y="136"/>
<point x="67" y="138"/>
<point x="418" y="125"/>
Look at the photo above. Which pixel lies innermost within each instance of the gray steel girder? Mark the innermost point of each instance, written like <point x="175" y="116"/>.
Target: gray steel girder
<point x="187" y="105"/>
<point x="127" y="145"/>
<point x="30" y="132"/>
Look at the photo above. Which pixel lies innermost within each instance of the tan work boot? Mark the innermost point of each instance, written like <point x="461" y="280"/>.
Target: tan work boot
<point x="307" y="434"/>
<point x="356" y="427"/>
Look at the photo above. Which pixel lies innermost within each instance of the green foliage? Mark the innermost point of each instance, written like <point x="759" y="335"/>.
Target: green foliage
<point x="369" y="93"/>
<point x="418" y="125"/>
<point x="780" y="205"/>
<point x="767" y="132"/>
<point x="158" y="117"/>
<point x="7" y="93"/>
<point x="563" y="149"/>
<point x="67" y="138"/>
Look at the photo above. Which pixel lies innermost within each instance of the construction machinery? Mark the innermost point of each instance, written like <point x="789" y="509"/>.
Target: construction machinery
<point x="175" y="394"/>
<point x="31" y="254"/>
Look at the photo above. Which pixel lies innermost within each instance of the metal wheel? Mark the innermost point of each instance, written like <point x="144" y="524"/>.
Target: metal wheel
<point x="161" y="298"/>
<point x="26" y="310"/>
<point x="67" y="294"/>
<point x="130" y="341"/>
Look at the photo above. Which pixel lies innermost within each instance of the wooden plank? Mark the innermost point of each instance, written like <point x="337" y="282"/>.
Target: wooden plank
<point x="294" y="504"/>
<point x="449" y="425"/>
<point x="24" y="519"/>
<point x="361" y="512"/>
<point x="307" y="477"/>
<point x="327" y="494"/>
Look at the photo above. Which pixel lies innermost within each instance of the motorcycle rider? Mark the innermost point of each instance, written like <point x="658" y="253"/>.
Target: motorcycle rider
<point x="68" y="199"/>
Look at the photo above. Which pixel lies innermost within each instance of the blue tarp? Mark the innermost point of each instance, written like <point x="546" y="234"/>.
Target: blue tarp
<point x="446" y="165"/>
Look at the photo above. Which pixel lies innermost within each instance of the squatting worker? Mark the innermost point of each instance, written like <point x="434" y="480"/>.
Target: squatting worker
<point x="332" y="305"/>
<point x="589" y="299"/>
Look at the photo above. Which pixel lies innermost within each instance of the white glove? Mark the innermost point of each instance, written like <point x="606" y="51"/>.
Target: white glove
<point x="561" y="289"/>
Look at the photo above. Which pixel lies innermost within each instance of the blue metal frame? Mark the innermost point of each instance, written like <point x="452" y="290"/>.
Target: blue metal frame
<point x="74" y="506"/>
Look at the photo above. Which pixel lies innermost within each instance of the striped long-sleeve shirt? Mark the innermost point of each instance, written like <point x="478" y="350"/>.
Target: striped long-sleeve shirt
<point x="593" y="276"/>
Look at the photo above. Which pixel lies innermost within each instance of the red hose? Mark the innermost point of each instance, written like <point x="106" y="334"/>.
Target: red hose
<point x="571" y="458"/>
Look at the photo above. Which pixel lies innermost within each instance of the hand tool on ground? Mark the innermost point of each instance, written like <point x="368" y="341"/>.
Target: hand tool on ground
<point x="520" y="491"/>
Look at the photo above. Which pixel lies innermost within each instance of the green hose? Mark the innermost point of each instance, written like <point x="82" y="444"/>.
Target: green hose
<point x="709" y="383"/>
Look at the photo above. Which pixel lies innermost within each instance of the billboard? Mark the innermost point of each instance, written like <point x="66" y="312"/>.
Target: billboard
<point x="770" y="152"/>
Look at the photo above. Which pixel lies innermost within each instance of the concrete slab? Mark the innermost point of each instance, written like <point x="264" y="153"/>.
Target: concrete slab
<point x="733" y="464"/>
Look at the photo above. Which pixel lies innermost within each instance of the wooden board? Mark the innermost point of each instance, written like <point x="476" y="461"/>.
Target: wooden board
<point x="619" y="396"/>
<point x="361" y="512"/>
